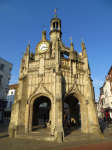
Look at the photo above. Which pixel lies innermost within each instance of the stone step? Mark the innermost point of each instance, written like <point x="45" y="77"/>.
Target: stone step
<point x="35" y="137"/>
<point x="81" y="137"/>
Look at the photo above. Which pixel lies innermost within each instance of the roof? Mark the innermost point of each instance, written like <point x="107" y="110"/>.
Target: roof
<point x="110" y="70"/>
<point x="6" y="61"/>
<point x="13" y="86"/>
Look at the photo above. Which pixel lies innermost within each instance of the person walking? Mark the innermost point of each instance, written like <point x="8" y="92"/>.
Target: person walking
<point x="110" y="128"/>
<point x="66" y="124"/>
<point x="44" y="116"/>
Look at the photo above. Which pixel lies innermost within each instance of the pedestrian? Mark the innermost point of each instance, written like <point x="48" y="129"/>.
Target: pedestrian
<point x="66" y="124"/>
<point x="104" y="116"/>
<point x="110" y="116"/>
<point x="44" y="116"/>
<point x="110" y="128"/>
<point x="108" y="121"/>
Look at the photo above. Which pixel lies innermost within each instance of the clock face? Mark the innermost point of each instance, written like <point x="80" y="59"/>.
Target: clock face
<point x="43" y="47"/>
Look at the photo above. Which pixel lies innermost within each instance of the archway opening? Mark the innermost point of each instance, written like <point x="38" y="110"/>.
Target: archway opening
<point x="74" y="117"/>
<point x="41" y="113"/>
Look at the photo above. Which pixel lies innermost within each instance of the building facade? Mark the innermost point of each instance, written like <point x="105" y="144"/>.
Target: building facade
<point x="5" y="75"/>
<point x="47" y="76"/>
<point x="106" y="94"/>
<point x="10" y="101"/>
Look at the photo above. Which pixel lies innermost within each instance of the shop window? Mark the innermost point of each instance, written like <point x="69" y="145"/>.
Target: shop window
<point x="10" y="104"/>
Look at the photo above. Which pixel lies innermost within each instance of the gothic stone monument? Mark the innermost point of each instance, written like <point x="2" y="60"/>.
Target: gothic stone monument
<point x="47" y="76"/>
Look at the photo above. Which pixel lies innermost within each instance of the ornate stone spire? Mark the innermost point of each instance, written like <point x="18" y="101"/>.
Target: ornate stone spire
<point x="27" y="50"/>
<point x="71" y="46"/>
<point x="84" y="54"/>
<point x="44" y="35"/>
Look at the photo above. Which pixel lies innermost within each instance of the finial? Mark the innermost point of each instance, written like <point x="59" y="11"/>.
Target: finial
<point x="82" y="40"/>
<point x="55" y="12"/>
<point x="44" y="27"/>
<point x="32" y="50"/>
<point x="70" y="39"/>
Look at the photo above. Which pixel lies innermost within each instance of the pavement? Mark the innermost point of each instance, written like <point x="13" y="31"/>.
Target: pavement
<point x="7" y="143"/>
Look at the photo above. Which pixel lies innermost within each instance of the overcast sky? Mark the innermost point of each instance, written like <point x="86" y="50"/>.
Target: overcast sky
<point x="21" y="20"/>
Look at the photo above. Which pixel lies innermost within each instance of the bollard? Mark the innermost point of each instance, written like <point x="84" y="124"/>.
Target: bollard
<point x="12" y="132"/>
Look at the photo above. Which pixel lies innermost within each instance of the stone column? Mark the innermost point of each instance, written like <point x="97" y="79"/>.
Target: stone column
<point x="82" y="117"/>
<point x="31" y="117"/>
<point x="17" y="113"/>
<point x="59" y="133"/>
<point x="52" y="118"/>
<point x="85" y="112"/>
<point x="26" y="118"/>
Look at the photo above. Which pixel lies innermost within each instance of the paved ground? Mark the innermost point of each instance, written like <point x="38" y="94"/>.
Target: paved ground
<point x="100" y="146"/>
<point x="7" y="143"/>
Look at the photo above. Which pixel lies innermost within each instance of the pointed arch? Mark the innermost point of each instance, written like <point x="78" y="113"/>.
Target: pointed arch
<point x="75" y="91"/>
<point x="40" y="91"/>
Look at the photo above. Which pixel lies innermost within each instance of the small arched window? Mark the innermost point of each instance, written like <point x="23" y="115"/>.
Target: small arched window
<point x="53" y="25"/>
<point x="56" y="25"/>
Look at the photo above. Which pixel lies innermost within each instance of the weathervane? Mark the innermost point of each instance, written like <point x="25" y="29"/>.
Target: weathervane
<point x="55" y="10"/>
<point x="82" y="39"/>
<point x="70" y="39"/>
<point x="44" y="27"/>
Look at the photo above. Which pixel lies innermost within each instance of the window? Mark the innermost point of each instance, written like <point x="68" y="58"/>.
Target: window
<point x="56" y="25"/>
<point x="6" y="93"/>
<point x="11" y="92"/>
<point x="1" y="67"/>
<point x="106" y="94"/>
<point x="10" y="70"/>
<point x="0" y="79"/>
<point x="0" y="91"/>
<point x="53" y="25"/>
<point x="10" y="104"/>
<point x="8" y="81"/>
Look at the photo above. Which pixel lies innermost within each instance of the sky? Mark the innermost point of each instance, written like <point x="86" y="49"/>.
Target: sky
<point x="21" y="20"/>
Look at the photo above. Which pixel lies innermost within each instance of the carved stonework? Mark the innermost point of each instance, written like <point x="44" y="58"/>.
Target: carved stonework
<point x="80" y="65"/>
<point x="40" y="89"/>
<point x="49" y="62"/>
<point x="42" y="56"/>
<point x="65" y="62"/>
<point x="33" y="65"/>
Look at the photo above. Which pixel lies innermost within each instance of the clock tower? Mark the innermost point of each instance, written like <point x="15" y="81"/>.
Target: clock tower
<point x="55" y="29"/>
<point x="48" y="77"/>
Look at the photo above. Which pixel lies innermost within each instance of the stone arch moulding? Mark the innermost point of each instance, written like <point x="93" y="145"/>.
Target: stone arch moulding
<point x="74" y="90"/>
<point x="40" y="91"/>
